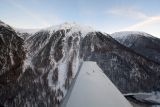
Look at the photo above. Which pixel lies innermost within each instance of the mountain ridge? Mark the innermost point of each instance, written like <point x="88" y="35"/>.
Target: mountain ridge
<point x="142" y="43"/>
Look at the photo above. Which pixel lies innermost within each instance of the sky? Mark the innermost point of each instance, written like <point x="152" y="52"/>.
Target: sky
<point x="105" y="15"/>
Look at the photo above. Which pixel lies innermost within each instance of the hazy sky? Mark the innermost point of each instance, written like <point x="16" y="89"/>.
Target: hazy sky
<point x="105" y="15"/>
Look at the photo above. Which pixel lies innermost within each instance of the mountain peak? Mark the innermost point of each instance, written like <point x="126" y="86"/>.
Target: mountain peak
<point x="70" y="25"/>
<point x="73" y="27"/>
<point x="124" y="34"/>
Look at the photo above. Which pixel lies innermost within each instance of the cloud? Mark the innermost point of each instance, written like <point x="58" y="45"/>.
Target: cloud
<point x="150" y="25"/>
<point x="130" y="12"/>
<point x="147" y="22"/>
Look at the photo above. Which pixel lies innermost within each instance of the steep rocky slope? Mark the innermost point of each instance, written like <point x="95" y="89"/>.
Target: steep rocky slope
<point x="12" y="55"/>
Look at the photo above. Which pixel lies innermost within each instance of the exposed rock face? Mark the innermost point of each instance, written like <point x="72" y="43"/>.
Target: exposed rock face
<point x="142" y="43"/>
<point x="40" y="74"/>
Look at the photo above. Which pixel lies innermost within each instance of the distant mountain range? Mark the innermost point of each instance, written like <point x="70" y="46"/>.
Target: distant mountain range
<point x="142" y="43"/>
<point x="36" y="69"/>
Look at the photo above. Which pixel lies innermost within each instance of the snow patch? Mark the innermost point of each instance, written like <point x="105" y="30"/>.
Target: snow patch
<point x="92" y="47"/>
<point x="27" y="63"/>
<point x="11" y="57"/>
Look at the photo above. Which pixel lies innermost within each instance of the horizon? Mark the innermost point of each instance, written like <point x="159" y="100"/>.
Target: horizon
<point x="106" y="16"/>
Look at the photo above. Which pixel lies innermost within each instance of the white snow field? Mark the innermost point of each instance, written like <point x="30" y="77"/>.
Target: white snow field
<point x="92" y="88"/>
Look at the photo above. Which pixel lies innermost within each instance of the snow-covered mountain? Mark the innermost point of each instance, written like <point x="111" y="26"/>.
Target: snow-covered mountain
<point x="49" y="60"/>
<point x="142" y="43"/>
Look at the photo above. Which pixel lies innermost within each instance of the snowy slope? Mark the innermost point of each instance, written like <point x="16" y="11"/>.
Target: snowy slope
<point x="127" y="33"/>
<point x="94" y="89"/>
<point x="128" y="38"/>
<point x="71" y="28"/>
<point x="142" y="43"/>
